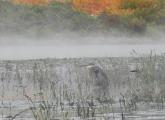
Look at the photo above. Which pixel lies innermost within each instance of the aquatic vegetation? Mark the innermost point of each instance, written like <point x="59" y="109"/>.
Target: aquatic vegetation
<point x="63" y="89"/>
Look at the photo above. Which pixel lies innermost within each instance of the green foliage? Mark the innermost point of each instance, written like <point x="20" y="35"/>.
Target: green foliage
<point x="37" y="9"/>
<point x="129" y="5"/>
<point x="138" y="25"/>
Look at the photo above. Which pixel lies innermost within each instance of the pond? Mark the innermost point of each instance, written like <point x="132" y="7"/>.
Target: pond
<point x="150" y="114"/>
<point x="51" y="51"/>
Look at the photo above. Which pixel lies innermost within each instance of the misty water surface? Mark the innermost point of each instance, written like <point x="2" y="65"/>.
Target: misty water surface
<point x="74" y="51"/>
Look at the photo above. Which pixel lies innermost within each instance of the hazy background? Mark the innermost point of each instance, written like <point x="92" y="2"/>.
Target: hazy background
<point x="55" y="31"/>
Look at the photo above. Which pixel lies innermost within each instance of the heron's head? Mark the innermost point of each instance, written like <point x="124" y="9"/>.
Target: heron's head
<point x="88" y="66"/>
<point x="92" y="67"/>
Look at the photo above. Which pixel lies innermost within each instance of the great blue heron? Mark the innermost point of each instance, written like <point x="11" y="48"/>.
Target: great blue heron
<point x="100" y="80"/>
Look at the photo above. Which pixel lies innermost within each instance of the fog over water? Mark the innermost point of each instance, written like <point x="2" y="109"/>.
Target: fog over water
<point x="78" y="46"/>
<point x="75" y="51"/>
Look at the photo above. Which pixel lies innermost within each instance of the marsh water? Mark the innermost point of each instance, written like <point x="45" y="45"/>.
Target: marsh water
<point x="76" y="51"/>
<point x="144" y="114"/>
<point x="65" y="69"/>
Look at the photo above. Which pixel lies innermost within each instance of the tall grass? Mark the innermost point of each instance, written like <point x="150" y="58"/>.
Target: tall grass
<point x="61" y="89"/>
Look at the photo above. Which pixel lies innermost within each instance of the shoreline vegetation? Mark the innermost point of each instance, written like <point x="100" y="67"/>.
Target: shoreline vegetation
<point x="45" y="17"/>
<point x="63" y="88"/>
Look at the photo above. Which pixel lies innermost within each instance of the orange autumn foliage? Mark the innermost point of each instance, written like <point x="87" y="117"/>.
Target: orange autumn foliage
<point x="94" y="7"/>
<point x="98" y="6"/>
<point x="116" y="8"/>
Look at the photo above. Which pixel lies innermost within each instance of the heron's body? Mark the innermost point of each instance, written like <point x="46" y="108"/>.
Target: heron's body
<point x="100" y="81"/>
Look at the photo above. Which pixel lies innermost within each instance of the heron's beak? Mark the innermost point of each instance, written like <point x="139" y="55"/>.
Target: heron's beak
<point x="87" y="66"/>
